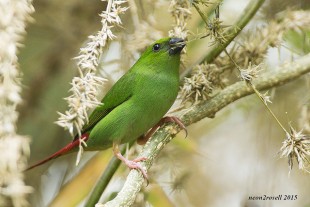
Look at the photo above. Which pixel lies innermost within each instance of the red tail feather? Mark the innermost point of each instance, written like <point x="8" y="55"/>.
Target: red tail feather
<point x="62" y="151"/>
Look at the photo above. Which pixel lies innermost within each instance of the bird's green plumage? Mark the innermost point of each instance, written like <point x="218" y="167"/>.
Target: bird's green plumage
<point x="138" y="100"/>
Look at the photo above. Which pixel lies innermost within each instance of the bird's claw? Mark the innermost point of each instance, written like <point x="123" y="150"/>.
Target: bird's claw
<point x="175" y="120"/>
<point x="135" y="164"/>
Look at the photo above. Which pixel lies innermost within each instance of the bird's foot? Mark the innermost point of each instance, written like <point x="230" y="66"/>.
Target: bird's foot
<point x="135" y="164"/>
<point x="175" y="120"/>
<point x="132" y="164"/>
<point x="144" y="138"/>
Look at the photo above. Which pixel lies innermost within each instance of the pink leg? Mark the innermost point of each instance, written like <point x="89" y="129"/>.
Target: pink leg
<point x="132" y="164"/>
<point x="143" y="139"/>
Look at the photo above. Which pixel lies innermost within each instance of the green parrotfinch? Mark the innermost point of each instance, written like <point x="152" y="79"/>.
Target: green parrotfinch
<point x="136" y="102"/>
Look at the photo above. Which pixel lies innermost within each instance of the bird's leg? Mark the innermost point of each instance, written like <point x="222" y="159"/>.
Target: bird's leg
<point x="144" y="138"/>
<point x="132" y="164"/>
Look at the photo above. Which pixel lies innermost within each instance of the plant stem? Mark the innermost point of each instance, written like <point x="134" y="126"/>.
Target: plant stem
<point x="268" y="108"/>
<point x="105" y="179"/>
<point x="234" y="30"/>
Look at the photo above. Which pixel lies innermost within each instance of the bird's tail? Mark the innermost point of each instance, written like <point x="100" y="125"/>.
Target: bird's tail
<point x="61" y="152"/>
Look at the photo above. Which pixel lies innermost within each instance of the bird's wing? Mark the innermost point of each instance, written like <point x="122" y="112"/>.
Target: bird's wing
<point x="118" y="94"/>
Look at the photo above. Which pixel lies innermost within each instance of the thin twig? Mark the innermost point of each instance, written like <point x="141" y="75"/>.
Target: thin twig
<point x="234" y="30"/>
<point x="230" y="34"/>
<point x="258" y="94"/>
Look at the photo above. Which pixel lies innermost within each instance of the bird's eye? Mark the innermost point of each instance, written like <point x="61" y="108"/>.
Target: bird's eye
<point x="156" y="47"/>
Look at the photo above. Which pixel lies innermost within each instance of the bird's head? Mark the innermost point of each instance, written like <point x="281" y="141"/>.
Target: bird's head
<point x="172" y="46"/>
<point x="165" y="49"/>
<point x="163" y="56"/>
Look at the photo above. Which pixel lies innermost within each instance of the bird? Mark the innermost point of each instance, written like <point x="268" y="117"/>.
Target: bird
<point x="135" y="105"/>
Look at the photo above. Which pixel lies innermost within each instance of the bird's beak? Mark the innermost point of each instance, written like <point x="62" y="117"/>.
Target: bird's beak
<point x="176" y="45"/>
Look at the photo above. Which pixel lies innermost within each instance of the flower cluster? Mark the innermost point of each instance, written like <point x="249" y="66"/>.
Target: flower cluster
<point x="145" y="31"/>
<point x="202" y="83"/>
<point x="84" y="88"/>
<point x="253" y="48"/>
<point x="84" y="91"/>
<point x="180" y="10"/>
<point x="295" y="20"/>
<point x="296" y="145"/>
<point x="14" y="148"/>
<point x="250" y="73"/>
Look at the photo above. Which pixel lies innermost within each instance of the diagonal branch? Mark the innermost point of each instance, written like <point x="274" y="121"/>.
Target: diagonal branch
<point x="202" y="110"/>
